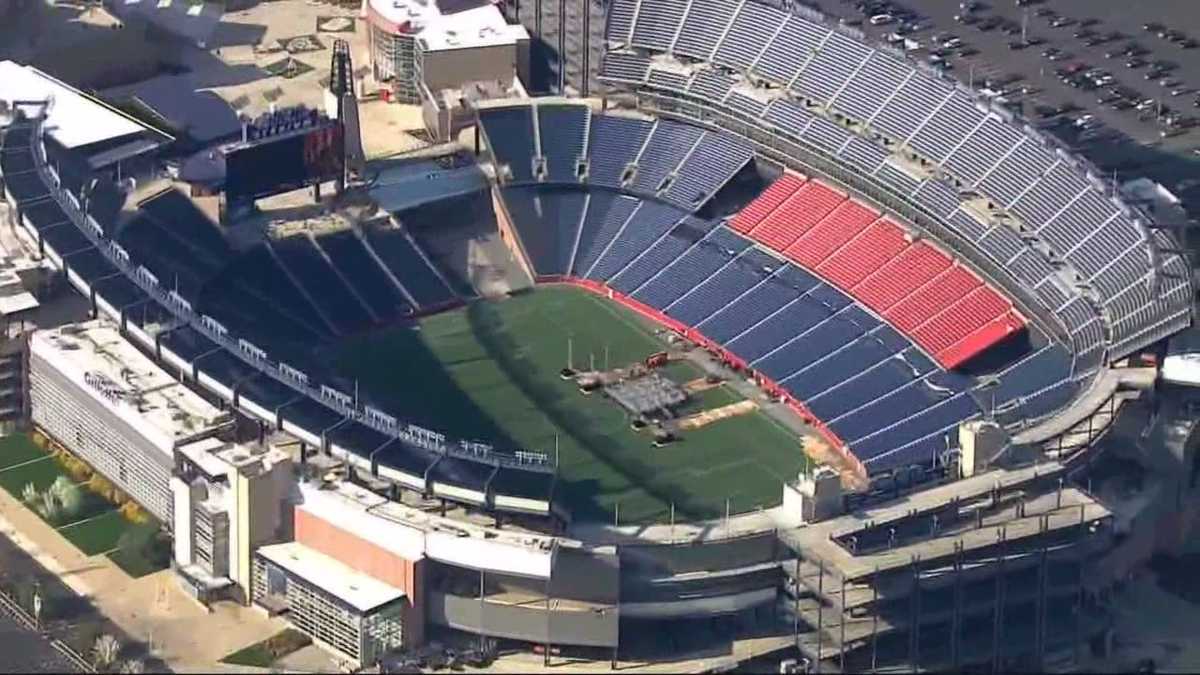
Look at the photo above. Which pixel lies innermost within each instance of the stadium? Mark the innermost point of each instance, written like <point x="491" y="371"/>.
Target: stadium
<point x="777" y="279"/>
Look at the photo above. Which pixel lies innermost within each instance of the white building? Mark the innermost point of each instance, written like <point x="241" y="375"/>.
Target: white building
<point x="229" y="499"/>
<point x="113" y="407"/>
<point x="423" y="46"/>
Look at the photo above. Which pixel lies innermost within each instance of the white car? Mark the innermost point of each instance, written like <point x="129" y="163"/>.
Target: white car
<point x="882" y="19"/>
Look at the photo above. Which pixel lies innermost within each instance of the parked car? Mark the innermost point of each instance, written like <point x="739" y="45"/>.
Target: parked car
<point x="1062" y="22"/>
<point x="882" y="19"/>
<point x="989" y="24"/>
<point x="1135" y="62"/>
<point x="1189" y="43"/>
<point x="1152" y="27"/>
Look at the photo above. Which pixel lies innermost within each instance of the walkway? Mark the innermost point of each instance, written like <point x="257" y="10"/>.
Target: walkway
<point x="152" y="609"/>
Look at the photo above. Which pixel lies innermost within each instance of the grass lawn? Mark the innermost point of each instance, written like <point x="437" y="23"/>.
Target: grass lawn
<point x="143" y="550"/>
<point x="96" y="534"/>
<point x="491" y="371"/>
<point x="17" y="449"/>
<point x="41" y="473"/>
<point x="263" y="654"/>
<point x="96" y="528"/>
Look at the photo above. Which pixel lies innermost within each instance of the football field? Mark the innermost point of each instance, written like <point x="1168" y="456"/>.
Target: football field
<point x="490" y="370"/>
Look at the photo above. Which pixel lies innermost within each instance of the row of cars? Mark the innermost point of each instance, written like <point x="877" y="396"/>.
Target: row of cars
<point x="901" y="19"/>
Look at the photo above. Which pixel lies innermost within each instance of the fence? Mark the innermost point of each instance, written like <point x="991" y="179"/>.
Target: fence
<point x="11" y="607"/>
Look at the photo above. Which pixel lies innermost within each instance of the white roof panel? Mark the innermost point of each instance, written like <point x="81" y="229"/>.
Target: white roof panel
<point x="356" y="589"/>
<point x="75" y="119"/>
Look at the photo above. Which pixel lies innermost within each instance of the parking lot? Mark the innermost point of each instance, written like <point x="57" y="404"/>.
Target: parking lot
<point x="1093" y="40"/>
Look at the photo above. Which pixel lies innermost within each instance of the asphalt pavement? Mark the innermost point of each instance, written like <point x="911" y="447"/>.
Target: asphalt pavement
<point x="1125" y="143"/>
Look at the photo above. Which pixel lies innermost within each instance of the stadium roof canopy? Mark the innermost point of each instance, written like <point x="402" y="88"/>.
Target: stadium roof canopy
<point x="75" y="119"/>
<point x="200" y="114"/>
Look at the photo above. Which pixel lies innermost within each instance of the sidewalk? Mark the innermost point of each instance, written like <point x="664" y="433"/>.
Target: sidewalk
<point x="152" y="609"/>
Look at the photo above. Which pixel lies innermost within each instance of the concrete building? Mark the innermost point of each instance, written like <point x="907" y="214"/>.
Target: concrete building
<point x="113" y="407"/>
<point x="986" y="571"/>
<point x="229" y="499"/>
<point x="346" y="611"/>
<point x="423" y="47"/>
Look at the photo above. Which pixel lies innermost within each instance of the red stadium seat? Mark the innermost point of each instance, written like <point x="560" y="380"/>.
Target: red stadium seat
<point x="901" y="276"/>
<point x="879" y="243"/>
<point x="942" y="306"/>
<point x="834" y="231"/>
<point x="766" y="203"/>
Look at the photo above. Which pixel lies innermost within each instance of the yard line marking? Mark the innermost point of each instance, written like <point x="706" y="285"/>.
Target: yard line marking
<point x="25" y="463"/>
<point x="85" y="520"/>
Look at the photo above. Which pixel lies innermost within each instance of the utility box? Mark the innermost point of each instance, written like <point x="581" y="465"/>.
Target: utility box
<point x="981" y="442"/>
<point x="817" y="496"/>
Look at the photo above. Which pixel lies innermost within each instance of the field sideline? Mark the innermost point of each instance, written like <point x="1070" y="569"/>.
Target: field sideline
<point x="491" y="370"/>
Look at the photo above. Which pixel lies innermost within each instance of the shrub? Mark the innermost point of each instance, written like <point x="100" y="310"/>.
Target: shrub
<point x="69" y="496"/>
<point x="105" y="651"/>
<point x="134" y="513"/>
<point x="49" y="508"/>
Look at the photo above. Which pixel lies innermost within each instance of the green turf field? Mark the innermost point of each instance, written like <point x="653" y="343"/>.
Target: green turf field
<point x="18" y="449"/>
<point x="97" y="527"/>
<point x="491" y="371"/>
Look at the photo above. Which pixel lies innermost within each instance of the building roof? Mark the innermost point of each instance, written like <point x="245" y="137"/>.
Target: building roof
<point x="413" y="534"/>
<point x="14" y="299"/>
<point x="400" y="189"/>
<point x="194" y="21"/>
<point x="362" y="592"/>
<point x="75" y="119"/>
<point x="95" y="357"/>
<point x="183" y="105"/>
<point x="444" y="27"/>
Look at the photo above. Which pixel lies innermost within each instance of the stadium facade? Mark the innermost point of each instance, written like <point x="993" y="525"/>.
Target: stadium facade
<point x="781" y="204"/>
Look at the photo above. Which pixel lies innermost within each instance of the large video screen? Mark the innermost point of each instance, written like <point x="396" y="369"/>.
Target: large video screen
<point x="279" y="165"/>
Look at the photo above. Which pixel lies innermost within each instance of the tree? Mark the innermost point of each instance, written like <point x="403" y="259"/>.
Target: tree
<point x="68" y="495"/>
<point x="30" y="494"/>
<point x="105" y="651"/>
<point x="49" y="508"/>
<point x="132" y="666"/>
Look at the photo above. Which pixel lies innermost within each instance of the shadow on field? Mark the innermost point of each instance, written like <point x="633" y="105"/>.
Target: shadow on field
<point x="487" y="327"/>
<point x="430" y="398"/>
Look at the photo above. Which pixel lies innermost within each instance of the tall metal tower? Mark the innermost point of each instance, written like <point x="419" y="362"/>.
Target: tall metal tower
<point x="341" y="85"/>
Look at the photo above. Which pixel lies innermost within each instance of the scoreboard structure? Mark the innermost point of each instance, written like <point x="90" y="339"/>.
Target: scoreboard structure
<point x="284" y="151"/>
